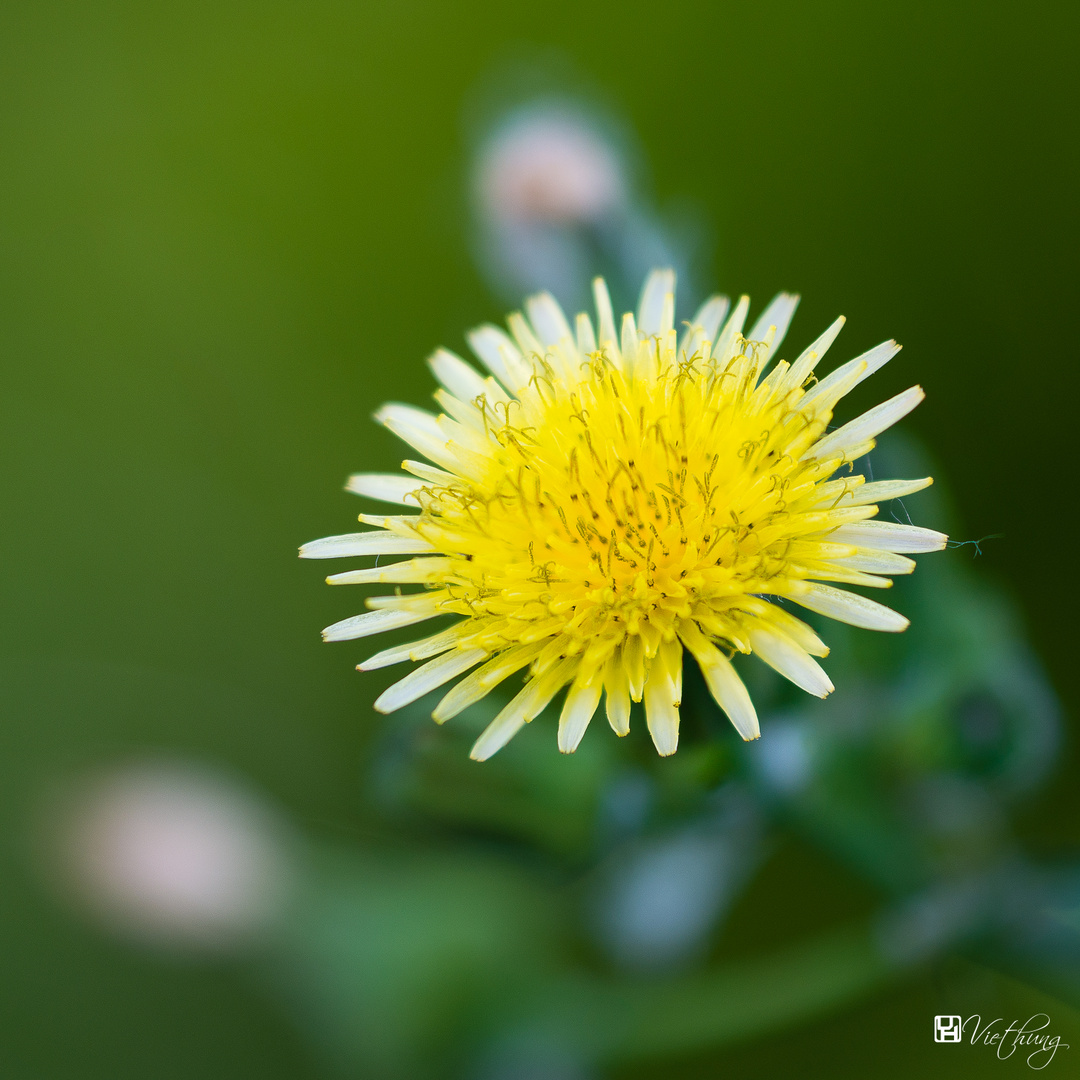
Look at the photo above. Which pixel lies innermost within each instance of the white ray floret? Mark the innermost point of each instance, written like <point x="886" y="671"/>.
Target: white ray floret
<point x="805" y="362"/>
<point x="428" y="677"/>
<point x="375" y="542"/>
<point x="890" y="536"/>
<point x="871" y="424"/>
<point x="386" y="487"/>
<point x="581" y="703"/>
<point x="414" y="650"/>
<point x="848" y="607"/>
<point x="779" y="313"/>
<point x="704" y="326"/>
<point x="732" y="331"/>
<point x="857" y="370"/>
<point x="793" y="662"/>
<point x="605" y="320"/>
<point x="659" y="285"/>
<point x="882" y="491"/>
<point x="372" y="622"/>
<point x="459" y="377"/>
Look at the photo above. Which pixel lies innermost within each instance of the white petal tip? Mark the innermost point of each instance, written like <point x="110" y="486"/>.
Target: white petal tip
<point x="927" y="540"/>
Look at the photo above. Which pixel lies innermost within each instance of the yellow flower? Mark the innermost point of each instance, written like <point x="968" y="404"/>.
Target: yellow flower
<point x="607" y="498"/>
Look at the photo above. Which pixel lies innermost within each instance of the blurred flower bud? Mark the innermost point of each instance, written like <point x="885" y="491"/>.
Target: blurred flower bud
<point x="557" y="200"/>
<point x="552" y="167"/>
<point x="172" y="854"/>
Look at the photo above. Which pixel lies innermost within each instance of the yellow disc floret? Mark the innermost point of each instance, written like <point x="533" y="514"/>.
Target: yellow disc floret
<point x="605" y="499"/>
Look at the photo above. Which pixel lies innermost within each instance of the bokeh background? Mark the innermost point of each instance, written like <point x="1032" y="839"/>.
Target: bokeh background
<point x="228" y="232"/>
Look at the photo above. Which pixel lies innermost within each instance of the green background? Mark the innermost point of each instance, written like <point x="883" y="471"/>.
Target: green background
<point x="229" y="231"/>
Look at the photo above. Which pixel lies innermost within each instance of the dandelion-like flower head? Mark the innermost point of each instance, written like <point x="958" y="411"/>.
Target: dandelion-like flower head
<point x="608" y="498"/>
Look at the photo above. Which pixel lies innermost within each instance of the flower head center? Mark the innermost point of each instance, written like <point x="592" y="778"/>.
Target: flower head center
<point x="616" y="505"/>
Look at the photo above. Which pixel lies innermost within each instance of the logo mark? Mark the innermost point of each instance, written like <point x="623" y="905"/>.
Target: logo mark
<point x="947" y="1029"/>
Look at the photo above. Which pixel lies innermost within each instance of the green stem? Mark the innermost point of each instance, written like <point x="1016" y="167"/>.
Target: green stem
<point x="622" y="1019"/>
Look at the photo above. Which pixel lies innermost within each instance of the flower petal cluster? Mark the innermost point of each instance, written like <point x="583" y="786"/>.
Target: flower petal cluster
<point x="608" y="497"/>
